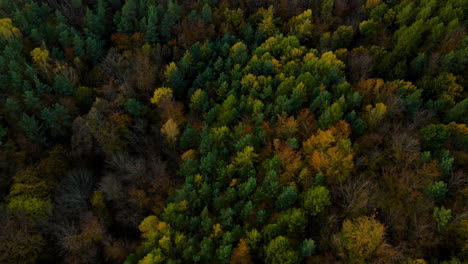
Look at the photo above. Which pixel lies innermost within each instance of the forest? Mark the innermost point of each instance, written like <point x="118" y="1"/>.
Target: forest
<point x="233" y="131"/>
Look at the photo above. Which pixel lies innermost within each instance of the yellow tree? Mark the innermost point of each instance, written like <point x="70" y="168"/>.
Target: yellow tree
<point x="245" y="157"/>
<point x="160" y="95"/>
<point x="330" y="152"/>
<point x="40" y="56"/>
<point x="170" y="130"/>
<point x="360" y="238"/>
<point x="7" y="30"/>
<point x="375" y="114"/>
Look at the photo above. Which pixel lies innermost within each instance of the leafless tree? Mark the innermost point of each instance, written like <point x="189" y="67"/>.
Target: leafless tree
<point x="116" y="66"/>
<point x="354" y="195"/>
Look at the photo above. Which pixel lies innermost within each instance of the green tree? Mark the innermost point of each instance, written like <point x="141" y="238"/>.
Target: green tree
<point x="32" y="102"/>
<point x="57" y="119"/>
<point x="96" y="23"/>
<point x="332" y="114"/>
<point x="294" y="221"/>
<point x="268" y="24"/>
<point x="327" y="9"/>
<point x="436" y="191"/>
<point x="175" y="79"/>
<point x="77" y="3"/>
<point x="245" y="157"/>
<point x="442" y="216"/>
<point x="128" y="17"/>
<point x="247" y="188"/>
<point x="458" y="113"/>
<point x="342" y="37"/>
<point x="434" y="136"/>
<point x="445" y="162"/>
<point x="94" y="48"/>
<point x="228" y="112"/>
<point x="189" y="138"/>
<point x="169" y="18"/>
<point x="307" y="248"/>
<point x="279" y="251"/>
<point x="32" y="128"/>
<point x="287" y="198"/>
<point x="152" y="30"/>
<point x="134" y="107"/>
<point x="63" y="85"/>
<point x="302" y="25"/>
<point x="206" y="13"/>
<point x="369" y="29"/>
<point x="78" y="45"/>
<point x="316" y="199"/>
<point x="13" y="107"/>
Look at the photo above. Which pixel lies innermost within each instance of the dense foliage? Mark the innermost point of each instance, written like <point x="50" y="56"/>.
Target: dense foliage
<point x="220" y="131"/>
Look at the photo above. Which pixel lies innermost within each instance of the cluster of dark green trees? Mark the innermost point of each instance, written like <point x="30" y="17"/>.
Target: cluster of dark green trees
<point x="218" y="131"/>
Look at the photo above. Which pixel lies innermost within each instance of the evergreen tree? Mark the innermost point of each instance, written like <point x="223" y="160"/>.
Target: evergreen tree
<point x="206" y="13"/>
<point x="78" y="45"/>
<point x="128" y="17"/>
<point x="31" y="101"/>
<point x="32" y="128"/>
<point x="94" y="48"/>
<point x="62" y="85"/>
<point x="152" y="30"/>
<point x="134" y="107"/>
<point x="437" y="191"/>
<point x="57" y="119"/>
<point x="307" y="248"/>
<point x="287" y="198"/>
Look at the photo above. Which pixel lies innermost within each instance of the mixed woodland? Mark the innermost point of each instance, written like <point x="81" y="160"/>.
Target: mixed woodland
<point x="233" y="131"/>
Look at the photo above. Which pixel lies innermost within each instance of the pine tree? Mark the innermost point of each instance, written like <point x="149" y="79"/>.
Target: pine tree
<point x="128" y="22"/>
<point x="206" y="13"/>
<point x="78" y="45"/>
<point x="287" y="198"/>
<point x="32" y="102"/>
<point x="94" y="48"/>
<point x="57" y="119"/>
<point x="152" y="30"/>
<point x="169" y="18"/>
<point x="62" y="85"/>
<point x="32" y="128"/>
<point x="307" y="248"/>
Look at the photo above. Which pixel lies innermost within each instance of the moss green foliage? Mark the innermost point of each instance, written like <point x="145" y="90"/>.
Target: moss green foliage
<point x="316" y="199"/>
